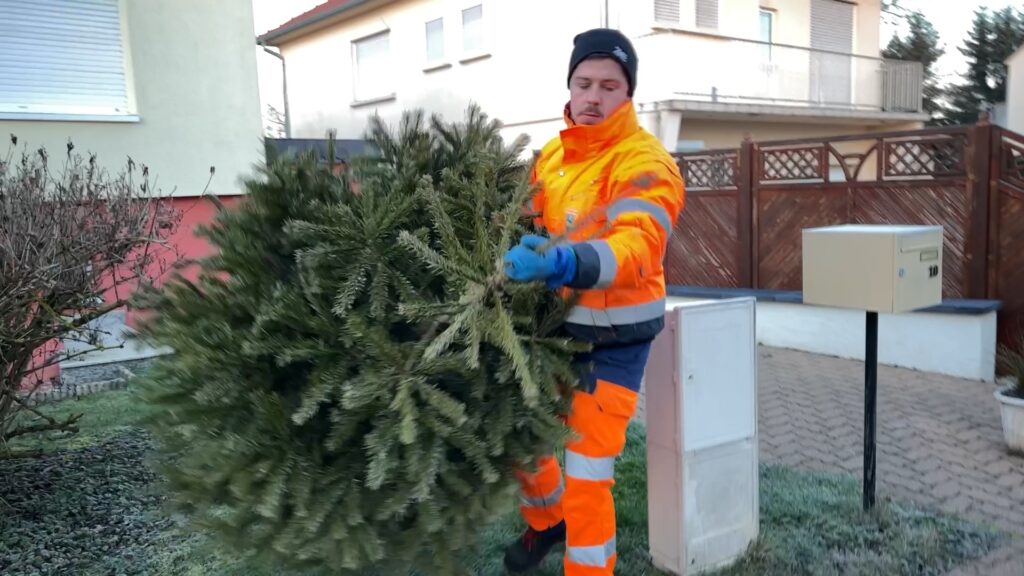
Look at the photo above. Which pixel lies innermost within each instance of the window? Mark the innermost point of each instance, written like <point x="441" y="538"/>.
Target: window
<point x="767" y="21"/>
<point x="707" y="14"/>
<point x="435" y="40"/>
<point x="372" y="70"/>
<point x="767" y="31"/>
<point x="666" y="11"/>
<point x="473" y="29"/>
<point x="59" y="57"/>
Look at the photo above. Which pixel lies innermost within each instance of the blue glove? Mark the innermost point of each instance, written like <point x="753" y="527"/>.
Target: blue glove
<point x="556" y="265"/>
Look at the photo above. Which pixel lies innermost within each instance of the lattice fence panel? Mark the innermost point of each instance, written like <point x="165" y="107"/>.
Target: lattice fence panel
<point x="711" y="171"/>
<point x="936" y="157"/>
<point x="798" y="163"/>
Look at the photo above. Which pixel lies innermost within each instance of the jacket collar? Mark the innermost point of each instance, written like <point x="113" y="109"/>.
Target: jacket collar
<point x="580" y="141"/>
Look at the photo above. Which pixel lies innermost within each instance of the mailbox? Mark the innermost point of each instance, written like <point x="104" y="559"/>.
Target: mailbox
<point x="877" y="268"/>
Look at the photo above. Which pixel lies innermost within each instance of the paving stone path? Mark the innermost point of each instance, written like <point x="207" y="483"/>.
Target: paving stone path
<point x="939" y="439"/>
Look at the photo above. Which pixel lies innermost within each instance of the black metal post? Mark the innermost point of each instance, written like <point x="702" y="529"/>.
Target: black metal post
<point x="870" y="398"/>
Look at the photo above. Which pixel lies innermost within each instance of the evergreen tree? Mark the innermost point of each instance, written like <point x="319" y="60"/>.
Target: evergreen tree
<point x="920" y="45"/>
<point x="353" y="381"/>
<point x="892" y="11"/>
<point x="992" y="39"/>
<point x="1007" y="35"/>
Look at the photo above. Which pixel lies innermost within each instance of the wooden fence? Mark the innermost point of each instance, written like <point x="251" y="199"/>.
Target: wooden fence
<point x="746" y="207"/>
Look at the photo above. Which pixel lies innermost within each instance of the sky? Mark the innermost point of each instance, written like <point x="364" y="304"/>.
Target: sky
<point x="951" y="18"/>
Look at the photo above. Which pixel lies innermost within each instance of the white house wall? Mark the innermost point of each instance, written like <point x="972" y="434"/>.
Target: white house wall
<point x="520" y="76"/>
<point x="192" y="77"/>
<point x="1015" y="92"/>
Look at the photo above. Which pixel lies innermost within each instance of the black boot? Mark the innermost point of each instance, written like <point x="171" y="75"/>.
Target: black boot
<point x="529" y="551"/>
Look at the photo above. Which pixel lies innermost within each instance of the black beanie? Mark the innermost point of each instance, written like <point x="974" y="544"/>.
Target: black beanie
<point x="609" y="42"/>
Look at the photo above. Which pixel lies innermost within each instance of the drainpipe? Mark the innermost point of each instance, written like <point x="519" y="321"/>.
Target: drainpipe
<point x="284" y="78"/>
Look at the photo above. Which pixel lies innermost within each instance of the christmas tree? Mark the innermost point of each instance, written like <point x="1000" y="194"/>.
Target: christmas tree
<point x="354" y="381"/>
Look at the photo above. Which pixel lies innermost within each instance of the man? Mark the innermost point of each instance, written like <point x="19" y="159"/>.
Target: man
<point x="615" y="193"/>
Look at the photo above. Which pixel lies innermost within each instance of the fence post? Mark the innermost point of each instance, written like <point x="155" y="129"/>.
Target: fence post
<point x="979" y="183"/>
<point x="995" y="177"/>
<point x="745" y="213"/>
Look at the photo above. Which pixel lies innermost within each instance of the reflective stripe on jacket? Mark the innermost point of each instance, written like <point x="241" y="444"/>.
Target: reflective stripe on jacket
<point x="619" y="193"/>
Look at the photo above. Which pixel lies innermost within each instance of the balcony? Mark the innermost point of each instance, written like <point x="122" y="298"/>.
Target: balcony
<point x="715" y="73"/>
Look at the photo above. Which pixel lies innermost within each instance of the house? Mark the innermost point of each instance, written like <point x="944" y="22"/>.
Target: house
<point x="170" y="83"/>
<point x="710" y="71"/>
<point x="1012" y="114"/>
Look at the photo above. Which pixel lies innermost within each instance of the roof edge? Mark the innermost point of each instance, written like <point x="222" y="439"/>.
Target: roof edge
<point x="271" y="37"/>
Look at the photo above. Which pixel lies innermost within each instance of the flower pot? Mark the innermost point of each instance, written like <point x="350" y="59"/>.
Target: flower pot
<point x="1013" y="420"/>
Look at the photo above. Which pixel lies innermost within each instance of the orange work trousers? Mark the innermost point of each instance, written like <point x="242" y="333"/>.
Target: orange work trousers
<point x="601" y="411"/>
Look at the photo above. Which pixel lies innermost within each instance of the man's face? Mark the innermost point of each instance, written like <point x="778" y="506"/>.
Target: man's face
<point x="596" y="89"/>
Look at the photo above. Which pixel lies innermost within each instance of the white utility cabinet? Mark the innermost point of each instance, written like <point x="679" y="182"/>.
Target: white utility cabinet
<point x="702" y="459"/>
<point x="873" y="267"/>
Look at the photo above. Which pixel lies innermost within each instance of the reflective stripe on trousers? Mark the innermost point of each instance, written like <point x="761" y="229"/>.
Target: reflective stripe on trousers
<point x="588" y="468"/>
<point x="597" y="556"/>
<point x="599" y="419"/>
<point x="549" y="499"/>
<point x="541" y="494"/>
<point x="592" y="479"/>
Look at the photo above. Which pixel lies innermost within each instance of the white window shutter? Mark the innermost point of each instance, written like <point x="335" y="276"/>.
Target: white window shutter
<point x="832" y="71"/>
<point x="62" y="57"/>
<point x="666" y="11"/>
<point x="832" y="26"/>
<point x="707" y="14"/>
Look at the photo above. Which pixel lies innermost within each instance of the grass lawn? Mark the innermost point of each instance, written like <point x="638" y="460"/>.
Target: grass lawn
<point x="88" y="505"/>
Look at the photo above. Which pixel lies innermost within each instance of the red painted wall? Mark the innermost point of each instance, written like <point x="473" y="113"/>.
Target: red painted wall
<point x="182" y="243"/>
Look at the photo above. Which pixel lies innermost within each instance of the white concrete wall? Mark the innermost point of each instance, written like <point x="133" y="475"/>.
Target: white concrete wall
<point x="953" y="344"/>
<point x="520" y="77"/>
<point x="1015" y="92"/>
<point x="192" y="78"/>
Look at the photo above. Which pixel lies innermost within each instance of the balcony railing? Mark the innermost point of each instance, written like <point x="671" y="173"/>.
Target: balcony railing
<point x="696" y="66"/>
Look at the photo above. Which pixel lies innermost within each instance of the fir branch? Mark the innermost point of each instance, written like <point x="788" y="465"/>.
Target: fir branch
<point x="436" y="261"/>
<point x="445" y="404"/>
<point x="450" y="242"/>
<point x="506" y="338"/>
<point x="440" y="344"/>
<point x="350" y="290"/>
<point x="356" y="391"/>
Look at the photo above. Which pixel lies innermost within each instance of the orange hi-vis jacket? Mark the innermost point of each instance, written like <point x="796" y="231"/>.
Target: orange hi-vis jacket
<point x="618" y="192"/>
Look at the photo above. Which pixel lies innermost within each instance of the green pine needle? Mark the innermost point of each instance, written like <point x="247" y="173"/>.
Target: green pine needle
<point x="354" y="380"/>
